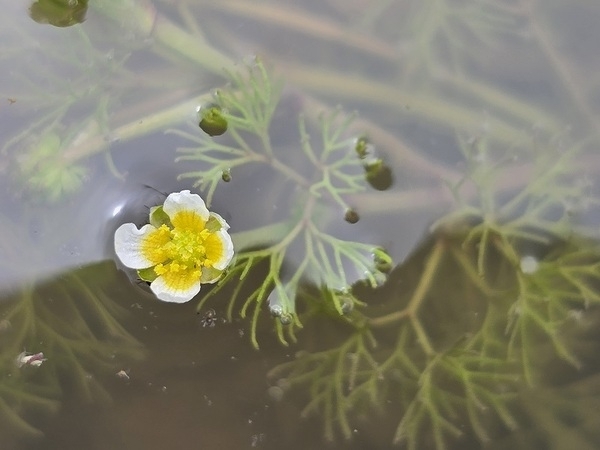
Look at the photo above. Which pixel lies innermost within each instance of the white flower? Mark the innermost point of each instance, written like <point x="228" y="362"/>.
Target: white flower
<point x="184" y="246"/>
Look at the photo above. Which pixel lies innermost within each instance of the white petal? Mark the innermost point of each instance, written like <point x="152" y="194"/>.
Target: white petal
<point x="166" y="293"/>
<point x="184" y="201"/>
<point x="227" y="250"/>
<point x="128" y="243"/>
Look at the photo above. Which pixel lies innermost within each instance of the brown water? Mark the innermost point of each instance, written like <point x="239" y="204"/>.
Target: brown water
<point x="485" y="116"/>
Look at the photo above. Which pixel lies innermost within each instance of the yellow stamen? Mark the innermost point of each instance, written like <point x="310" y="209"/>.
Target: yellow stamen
<point x="182" y="252"/>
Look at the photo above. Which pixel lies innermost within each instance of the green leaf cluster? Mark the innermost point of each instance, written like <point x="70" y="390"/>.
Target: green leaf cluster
<point x="490" y="301"/>
<point x="328" y="150"/>
<point x="63" y="99"/>
<point x="75" y="322"/>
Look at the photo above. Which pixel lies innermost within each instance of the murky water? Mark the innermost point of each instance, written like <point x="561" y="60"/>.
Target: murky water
<point x="461" y="137"/>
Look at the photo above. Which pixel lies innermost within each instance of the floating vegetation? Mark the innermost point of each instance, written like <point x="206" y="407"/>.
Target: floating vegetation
<point x="351" y="216"/>
<point x="494" y="296"/>
<point x="248" y="106"/>
<point x="183" y="247"/>
<point x="226" y="175"/>
<point x="45" y="171"/>
<point x="212" y="121"/>
<point x="484" y="336"/>
<point x="60" y="13"/>
<point x="501" y="275"/>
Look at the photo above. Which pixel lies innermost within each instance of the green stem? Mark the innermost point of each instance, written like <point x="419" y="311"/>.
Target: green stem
<point x="422" y="337"/>
<point x="424" y="284"/>
<point x="168" y="35"/>
<point x="300" y="21"/>
<point x="423" y="104"/>
<point x="135" y="128"/>
<point x="290" y="173"/>
<point x="260" y="236"/>
<point x="571" y="82"/>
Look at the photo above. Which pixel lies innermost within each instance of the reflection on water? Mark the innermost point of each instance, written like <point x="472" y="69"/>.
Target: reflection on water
<point x="472" y="162"/>
<point x="49" y="230"/>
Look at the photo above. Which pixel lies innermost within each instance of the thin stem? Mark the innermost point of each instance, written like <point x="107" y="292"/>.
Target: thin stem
<point x="259" y="236"/>
<point x="562" y="67"/>
<point x="170" y="36"/>
<point x="135" y="128"/>
<point x="298" y="20"/>
<point x="412" y="308"/>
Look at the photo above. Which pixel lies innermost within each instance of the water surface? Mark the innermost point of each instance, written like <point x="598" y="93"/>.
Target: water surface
<point x="485" y="119"/>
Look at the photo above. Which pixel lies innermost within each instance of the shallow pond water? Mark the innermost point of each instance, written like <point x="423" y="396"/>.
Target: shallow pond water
<point x="412" y="193"/>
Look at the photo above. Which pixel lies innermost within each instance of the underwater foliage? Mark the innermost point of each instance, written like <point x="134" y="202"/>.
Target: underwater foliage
<point x="456" y="346"/>
<point x="45" y="172"/>
<point x="506" y="273"/>
<point x="73" y="326"/>
<point x="65" y="98"/>
<point x="248" y="106"/>
<point x="495" y="295"/>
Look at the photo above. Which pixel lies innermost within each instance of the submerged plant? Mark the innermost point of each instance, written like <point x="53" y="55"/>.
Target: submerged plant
<point x="320" y="258"/>
<point x="64" y="97"/>
<point x="45" y="171"/>
<point x="500" y="276"/>
<point x="59" y="340"/>
<point x="470" y="322"/>
<point x="499" y="279"/>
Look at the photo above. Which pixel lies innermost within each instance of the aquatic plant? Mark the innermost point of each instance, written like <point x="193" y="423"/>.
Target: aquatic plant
<point x="500" y="278"/>
<point x="501" y="282"/>
<point x="336" y="169"/>
<point x="182" y="247"/>
<point x="62" y="109"/>
<point x="518" y="276"/>
<point x="60" y="13"/>
<point x="74" y="327"/>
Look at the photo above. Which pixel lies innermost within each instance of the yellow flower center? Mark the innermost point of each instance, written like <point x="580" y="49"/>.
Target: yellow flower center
<point x="180" y="253"/>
